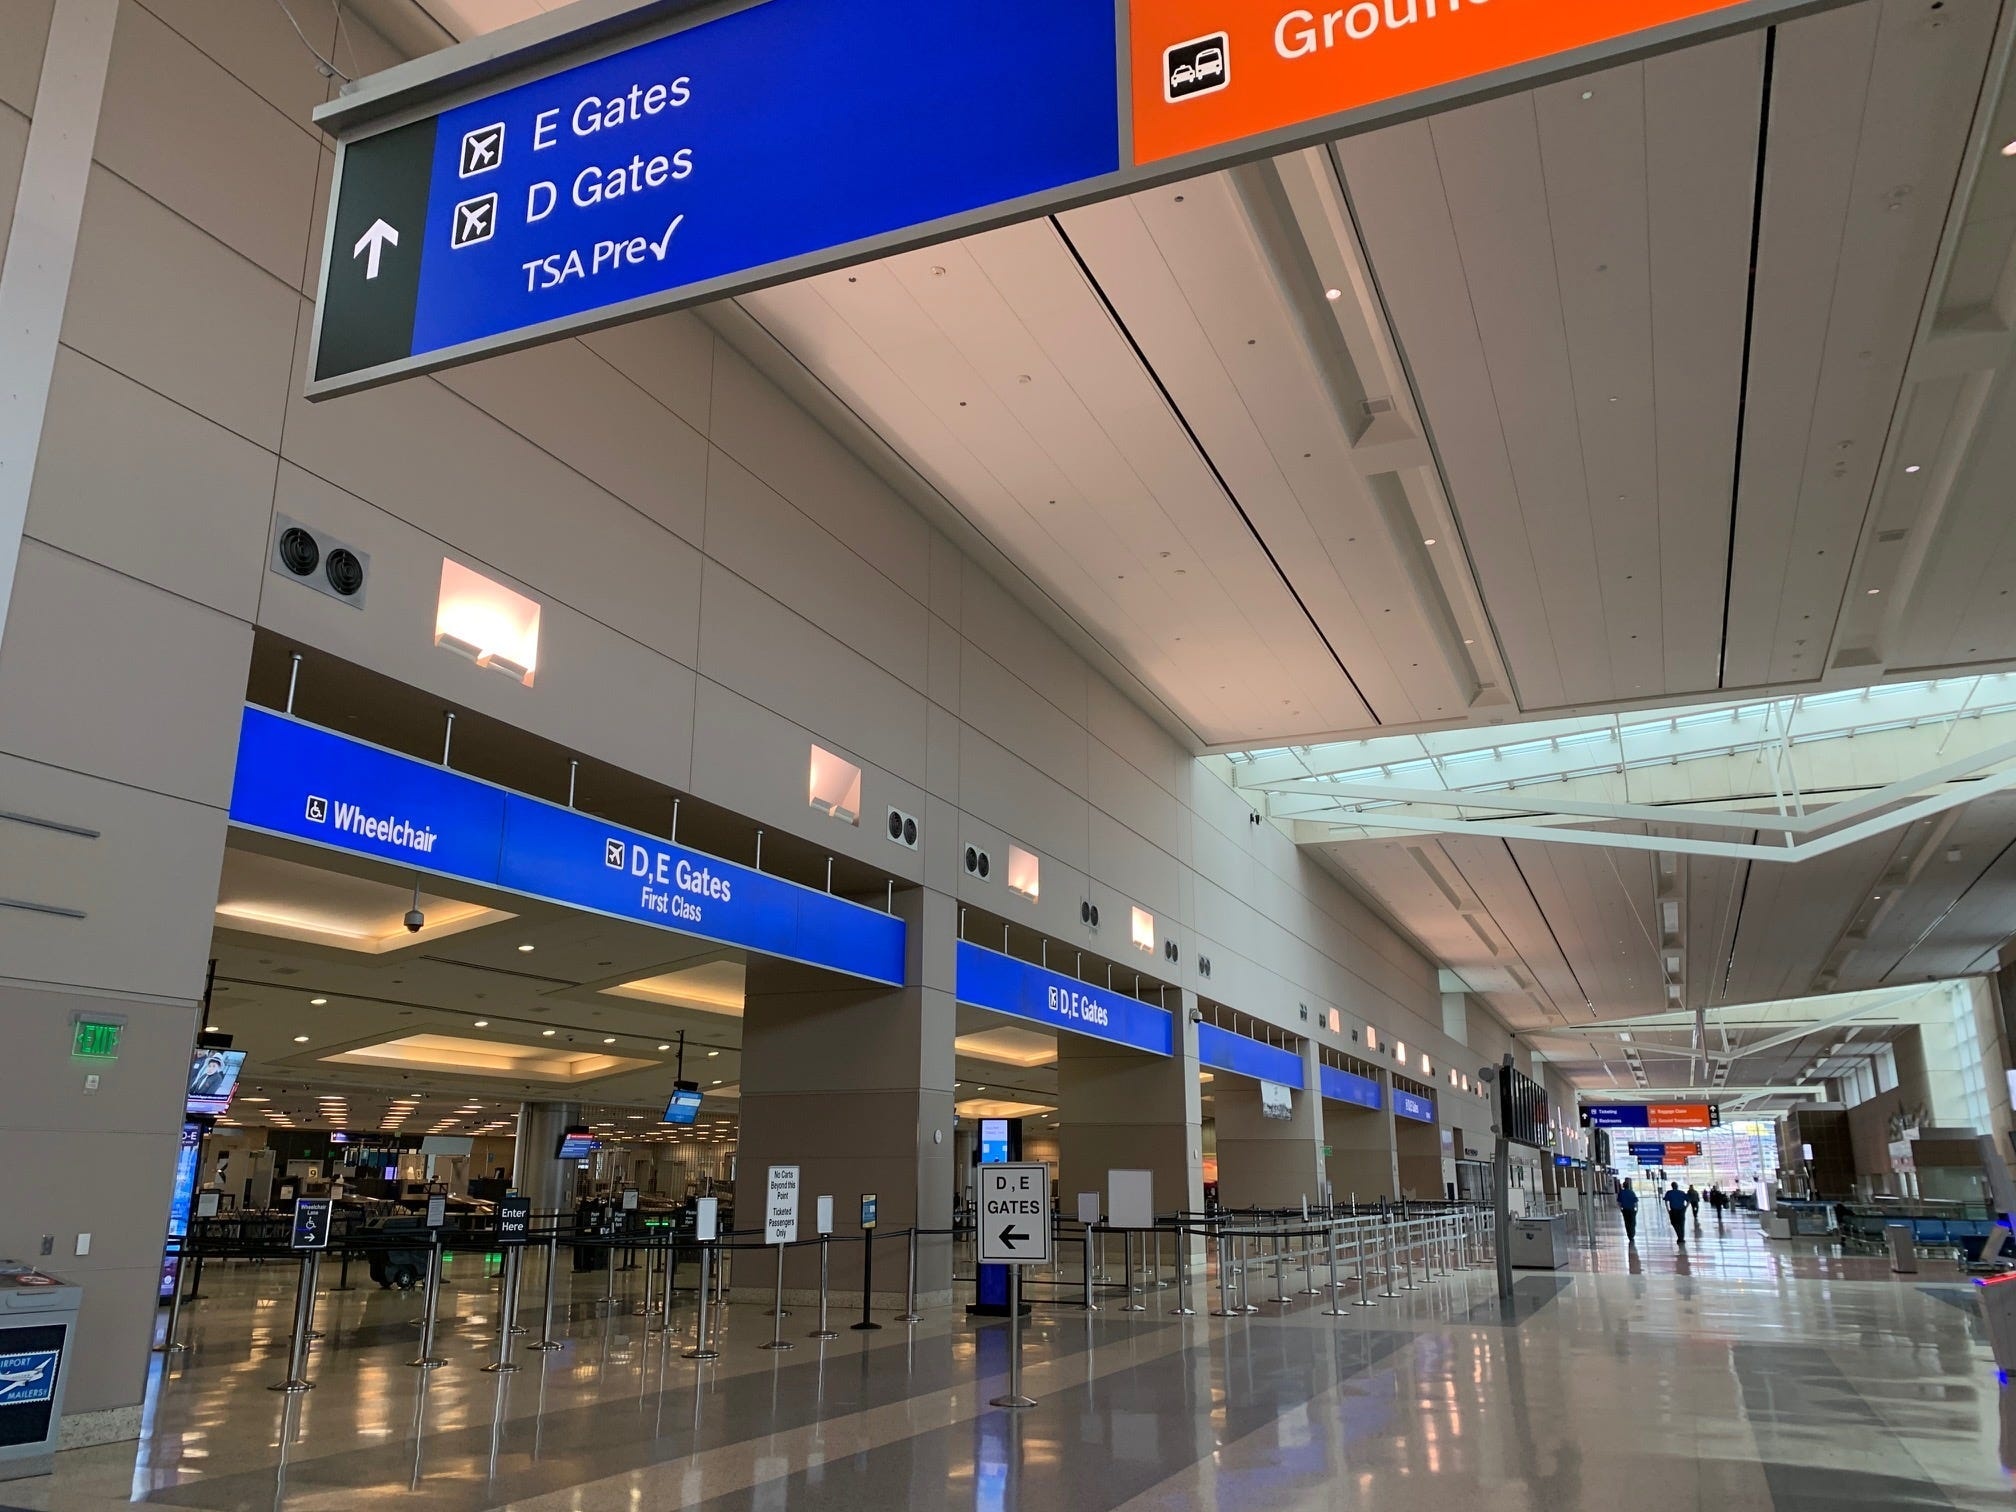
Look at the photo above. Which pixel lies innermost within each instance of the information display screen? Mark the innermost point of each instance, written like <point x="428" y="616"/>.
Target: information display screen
<point x="576" y="1144"/>
<point x="684" y="1107"/>
<point x="993" y="1141"/>
<point x="213" y="1077"/>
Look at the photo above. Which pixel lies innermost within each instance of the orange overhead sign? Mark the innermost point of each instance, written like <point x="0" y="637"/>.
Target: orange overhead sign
<point x="1678" y="1116"/>
<point x="1208" y="73"/>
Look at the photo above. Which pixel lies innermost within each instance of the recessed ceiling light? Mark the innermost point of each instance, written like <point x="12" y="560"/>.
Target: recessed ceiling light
<point x="482" y="1023"/>
<point x="1874" y="591"/>
<point x="316" y="1002"/>
<point x="716" y="1082"/>
<point x="300" y="1039"/>
<point x="1429" y="542"/>
<point x="1333" y="294"/>
<point x="609" y="1039"/>
<point x="665" y="1047"/>
<point x="712" y="1053"/>
<point x="1911" y="468"/>
<point x="212" y="1029"/>
<point x="549" y="1033"/>
<point x="522" y="949"/>
<point x="2009" y="149"/>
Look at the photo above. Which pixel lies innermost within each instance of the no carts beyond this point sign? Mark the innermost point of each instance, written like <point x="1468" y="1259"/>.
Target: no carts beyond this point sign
<point x="1015" y="1214"/>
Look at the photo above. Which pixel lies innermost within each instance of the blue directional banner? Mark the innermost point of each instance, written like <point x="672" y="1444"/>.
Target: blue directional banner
<point x="1413" y="1105"/>
<point x="705" y="156"/>
<point x="310" y="784"/>
<point x="1222" y="1050"/>
<point x="1343" y="1086"/>
<point x="989" y="979"/>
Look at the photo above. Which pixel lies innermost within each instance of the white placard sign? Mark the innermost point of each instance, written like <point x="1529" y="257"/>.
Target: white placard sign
<point x="1130" y="1199"/>
<point x="707" y="1219"/>
<point x="1088" y="1207"/>
<point x="823" y="1223"/>
<point x="1015" y="1214"/>
<point x="780" y="1206"/>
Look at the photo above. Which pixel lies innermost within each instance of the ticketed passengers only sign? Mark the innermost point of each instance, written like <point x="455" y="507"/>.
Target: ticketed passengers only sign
<point x="535" y="183"/>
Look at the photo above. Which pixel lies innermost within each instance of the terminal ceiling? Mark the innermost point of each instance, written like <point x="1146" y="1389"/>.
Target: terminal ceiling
<point x="1685" y="380"/>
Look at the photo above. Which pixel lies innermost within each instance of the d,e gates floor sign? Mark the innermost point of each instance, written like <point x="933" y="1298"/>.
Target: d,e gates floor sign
<point x="1015" y="1214"/>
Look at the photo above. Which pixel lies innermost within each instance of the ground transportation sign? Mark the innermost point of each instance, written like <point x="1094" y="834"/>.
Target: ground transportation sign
<point x="1015" y="1214"/>
<point x="537" y="182"/>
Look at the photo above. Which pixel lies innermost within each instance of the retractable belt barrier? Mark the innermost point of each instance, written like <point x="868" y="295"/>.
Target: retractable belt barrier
<point x="1400" y="1248"/>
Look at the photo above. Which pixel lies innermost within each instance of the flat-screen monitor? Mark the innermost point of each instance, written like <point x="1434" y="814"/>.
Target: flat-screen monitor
<point x="684" y="1107"/>
<point x="993" y="1141"/>
<point x="575" y="1144"/>
<point x="213" y="1077"/>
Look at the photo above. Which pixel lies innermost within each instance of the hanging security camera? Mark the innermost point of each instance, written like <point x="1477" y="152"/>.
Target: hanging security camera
<point x="415" y="920"/>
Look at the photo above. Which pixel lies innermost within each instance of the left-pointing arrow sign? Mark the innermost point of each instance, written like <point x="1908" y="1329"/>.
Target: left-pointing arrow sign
<point x="372" y="244"/>
<point x="1012" y="1236"/>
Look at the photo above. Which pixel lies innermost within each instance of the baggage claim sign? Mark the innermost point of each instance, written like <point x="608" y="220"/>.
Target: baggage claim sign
<point x="542" y="181"/>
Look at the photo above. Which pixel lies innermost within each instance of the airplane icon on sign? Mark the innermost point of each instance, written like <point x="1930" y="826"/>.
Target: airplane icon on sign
<point x="12" y="1381"/>
<point x="482" y="149"/>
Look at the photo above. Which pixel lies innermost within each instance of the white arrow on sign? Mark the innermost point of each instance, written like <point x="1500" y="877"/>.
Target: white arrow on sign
<point x="374" y="242"/>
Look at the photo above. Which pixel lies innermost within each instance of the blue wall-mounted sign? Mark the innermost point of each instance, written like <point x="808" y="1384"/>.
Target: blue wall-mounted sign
<point x="310" y="784"/>
<point x="989" y="979"/>
<point x="1345" y="1087"/>
<point x="1223" y="1050"/>
<point x="784" y="136"/>
<point x="1414" y="1105"/>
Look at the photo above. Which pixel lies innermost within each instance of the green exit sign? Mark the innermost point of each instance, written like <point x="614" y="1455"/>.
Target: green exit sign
<point x="96" y="1041"/>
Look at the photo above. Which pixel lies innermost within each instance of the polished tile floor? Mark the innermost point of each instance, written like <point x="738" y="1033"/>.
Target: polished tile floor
<point x="1741" y="1374"/>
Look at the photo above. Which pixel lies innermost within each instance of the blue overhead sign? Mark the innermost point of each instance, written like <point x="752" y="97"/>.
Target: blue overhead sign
<point x="1223" y="1050"/>
<point x="1413" y="1105"/>
<point x="700" y="159"/>
<point x="310" y="784"/>
<point x="1345" y="1087"/>
<point x="988" y="979"/>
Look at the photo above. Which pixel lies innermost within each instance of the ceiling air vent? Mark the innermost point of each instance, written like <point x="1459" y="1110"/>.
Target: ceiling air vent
<point x="315" y="559"/>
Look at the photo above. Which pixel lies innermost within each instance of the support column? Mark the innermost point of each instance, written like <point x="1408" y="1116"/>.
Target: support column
<point x="852" y="1083"/>
<point x="535" y="1171"/>
<point x="1269" y="1162"/>
<point x="1123" y="1110"/>
<point x="1362" y="1160"/>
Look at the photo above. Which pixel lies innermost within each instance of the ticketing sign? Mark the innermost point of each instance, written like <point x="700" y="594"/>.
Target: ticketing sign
<point x="528" y="185"/>
<point x="1348" y="1087"/>
<point x="1223" y="1050"/>
<point x="1413" y="1105"/>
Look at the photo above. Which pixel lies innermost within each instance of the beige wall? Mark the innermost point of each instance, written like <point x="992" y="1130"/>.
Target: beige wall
<point x="723" y="584"/>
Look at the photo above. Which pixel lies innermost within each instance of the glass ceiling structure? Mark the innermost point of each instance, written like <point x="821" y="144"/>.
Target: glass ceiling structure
<point x="1782" y="765"/>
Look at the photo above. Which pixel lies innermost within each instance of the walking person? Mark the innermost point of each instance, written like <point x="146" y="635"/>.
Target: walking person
<point x="1694" y="1208"/>
<point x="1676" y="1211"/>
<point x="1719" y="1201"/>
<point x="1627" y="1204"/>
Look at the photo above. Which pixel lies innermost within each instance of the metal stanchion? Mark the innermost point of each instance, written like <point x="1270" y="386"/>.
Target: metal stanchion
<point x="1127" y="1270"/>
<point x="1309" y="1286"/>
<point x="778" y="1315"/>
<point x="431" y="1303"/>
<point x="1182" y="1309"/>
<point x="825" y="1244"/>
<point x="1246" y="1302"/>
<point x="1336" y="1309"/>
<point x="1280" y="1267"/>
<point x="664" y="1323"/>
<point x="546" y="1341"/>
<point x="1392" y="1266"/>
<point x="909" y="1313"/>
<point x="1407" y="1259"/>
<point x="1014" y="1398"/>
<point x="168" y="1344"/>
<point x="1159" y="1282"/>
<point x="304" y="1322"/>
<point x="507" y="1311"/>
<point x="1224" y="1309"/>
<point x="343" y="1272"/>
<point x="700" y="1349"/>
<point x="1086" y="1249"/>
